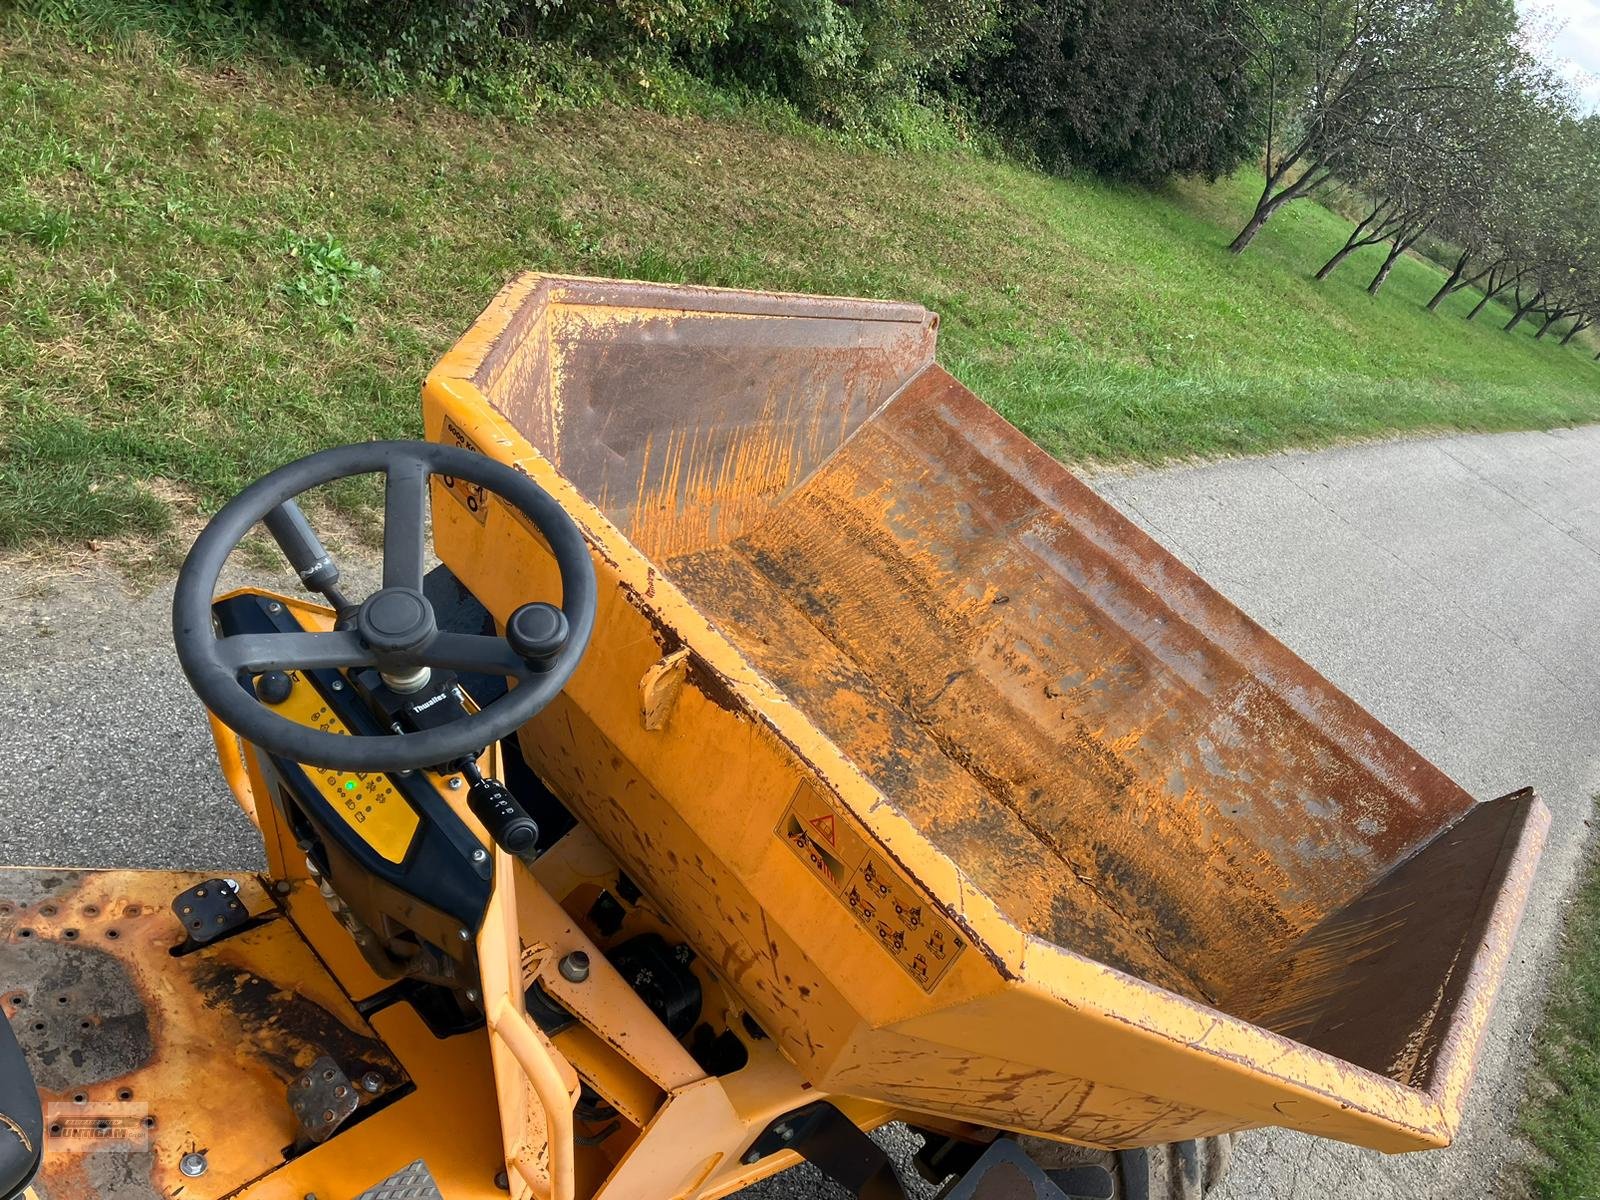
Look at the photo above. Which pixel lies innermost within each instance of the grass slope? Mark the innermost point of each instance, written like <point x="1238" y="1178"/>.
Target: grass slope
<point x="1563" y="1113"/>
<point x="206" y="270"/>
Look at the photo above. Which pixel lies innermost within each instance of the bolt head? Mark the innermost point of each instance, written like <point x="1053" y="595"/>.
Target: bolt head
<point x="464" y="934"/>
<point x="752" y="1157"/>
<point x="337" y="685"/>
<point x="274" y="607"/>
<point x="193" y="1165"/>
<point x="574" y="967"/>
<point x="371" y="1081"/>
<point x="784" y="1133"/>
<point x="479" y="856"/>
<point x="472" y="995"/>
<point x="455" y="783"/>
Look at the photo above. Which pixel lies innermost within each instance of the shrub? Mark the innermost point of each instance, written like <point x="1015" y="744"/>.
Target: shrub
<point x="1134" y="89"/>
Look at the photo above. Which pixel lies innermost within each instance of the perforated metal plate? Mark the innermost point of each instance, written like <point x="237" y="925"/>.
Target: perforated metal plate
<point x="411" y="1182"/>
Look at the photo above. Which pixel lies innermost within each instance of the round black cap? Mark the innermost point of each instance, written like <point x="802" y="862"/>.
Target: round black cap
<point x="273" y="686"/>
<point x="395" y="619"/>
<point x="537" y="632"/>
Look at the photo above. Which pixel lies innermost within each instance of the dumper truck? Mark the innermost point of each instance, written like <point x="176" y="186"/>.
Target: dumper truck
<point x="755" y="741"/>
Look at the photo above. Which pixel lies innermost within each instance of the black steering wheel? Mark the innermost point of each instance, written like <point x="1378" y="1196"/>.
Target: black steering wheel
<point x="394" y="629"/>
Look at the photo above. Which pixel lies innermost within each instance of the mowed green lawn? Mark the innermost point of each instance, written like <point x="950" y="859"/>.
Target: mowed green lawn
<point x="209" y="268"/>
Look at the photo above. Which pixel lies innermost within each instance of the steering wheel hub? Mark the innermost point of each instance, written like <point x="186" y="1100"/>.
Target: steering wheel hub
<point x="396" y="620"/>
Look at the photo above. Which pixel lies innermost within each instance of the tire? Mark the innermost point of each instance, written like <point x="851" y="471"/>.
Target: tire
<point x="1187" y="1170"/>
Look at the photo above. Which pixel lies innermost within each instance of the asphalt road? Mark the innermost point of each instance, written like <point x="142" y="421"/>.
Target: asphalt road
<point x="1451" y="585"/>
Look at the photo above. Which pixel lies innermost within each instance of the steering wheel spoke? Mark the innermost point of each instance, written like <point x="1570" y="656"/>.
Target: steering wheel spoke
<point x="405" y="518"/>
<point x="474" y="652"/>
<point x="257" y="652"/>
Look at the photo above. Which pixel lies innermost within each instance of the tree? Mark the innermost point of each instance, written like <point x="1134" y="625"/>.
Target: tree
<point x="1554" y="240"/>
<point x="1483" y="209"/>
<point x="1351" y="81"/>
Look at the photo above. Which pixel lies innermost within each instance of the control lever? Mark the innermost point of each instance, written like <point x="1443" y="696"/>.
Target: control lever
<point x="306" y="554"/>
<point x="513" y="830"/>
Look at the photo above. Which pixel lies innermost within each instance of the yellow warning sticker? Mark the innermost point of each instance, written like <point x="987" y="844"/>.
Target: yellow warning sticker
<point x="877" y="894"/>
<point x="473" y="496"/>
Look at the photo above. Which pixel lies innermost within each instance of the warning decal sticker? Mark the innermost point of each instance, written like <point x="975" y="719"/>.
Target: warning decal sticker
<point x="475" y="497"/>
<point x="885" y="903"/>
<point x="472" y="495"/>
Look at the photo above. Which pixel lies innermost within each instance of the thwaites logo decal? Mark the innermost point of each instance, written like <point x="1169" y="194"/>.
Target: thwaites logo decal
<point x="878" y="895"/>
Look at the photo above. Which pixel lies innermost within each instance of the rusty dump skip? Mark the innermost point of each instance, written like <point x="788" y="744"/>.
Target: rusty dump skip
<point x="1123" y="762"/>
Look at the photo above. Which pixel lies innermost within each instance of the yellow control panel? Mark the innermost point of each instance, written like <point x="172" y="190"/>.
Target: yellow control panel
<point x="366" y="801"/>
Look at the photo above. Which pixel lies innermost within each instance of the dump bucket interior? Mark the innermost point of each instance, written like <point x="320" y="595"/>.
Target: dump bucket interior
<point x="1127" y="765"/>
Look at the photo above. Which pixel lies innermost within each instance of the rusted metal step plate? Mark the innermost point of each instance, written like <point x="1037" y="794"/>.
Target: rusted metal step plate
<point x="144" y="1057"/>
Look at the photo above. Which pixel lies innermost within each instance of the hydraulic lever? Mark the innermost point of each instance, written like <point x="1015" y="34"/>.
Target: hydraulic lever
<point x="306" y="554"/>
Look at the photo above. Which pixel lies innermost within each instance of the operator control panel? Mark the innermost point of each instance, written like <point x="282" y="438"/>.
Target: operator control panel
<point x="366" y="801"/>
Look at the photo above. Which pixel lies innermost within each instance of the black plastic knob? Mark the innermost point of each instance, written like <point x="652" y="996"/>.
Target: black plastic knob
<point x="273" y="687"/>
<point x="536" y="633"/>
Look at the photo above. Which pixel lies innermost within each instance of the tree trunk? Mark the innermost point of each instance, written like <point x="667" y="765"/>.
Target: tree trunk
<point x="1451" y="285"/>
<point x="1269" y="203"/>
<point x="1494" y="290"/>
<point x="1548" y="322"/>
<point x="1252" y="227"/>
<point x="1578" y="327"/>
<point x="1332" y="264"/>
<point x="1394" y="254"/>
<point x="1516" y="317"/>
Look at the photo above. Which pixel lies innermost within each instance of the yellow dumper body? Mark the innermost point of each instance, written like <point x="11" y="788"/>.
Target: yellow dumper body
<point x="983" y="805"/>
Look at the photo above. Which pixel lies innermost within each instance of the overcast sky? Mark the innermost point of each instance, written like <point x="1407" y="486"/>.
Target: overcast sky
<point x="1572" y="42"/>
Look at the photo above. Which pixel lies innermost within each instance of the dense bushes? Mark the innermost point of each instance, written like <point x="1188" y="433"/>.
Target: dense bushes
<point x="831" y="59"/>
<point x="1137" y="89"/>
